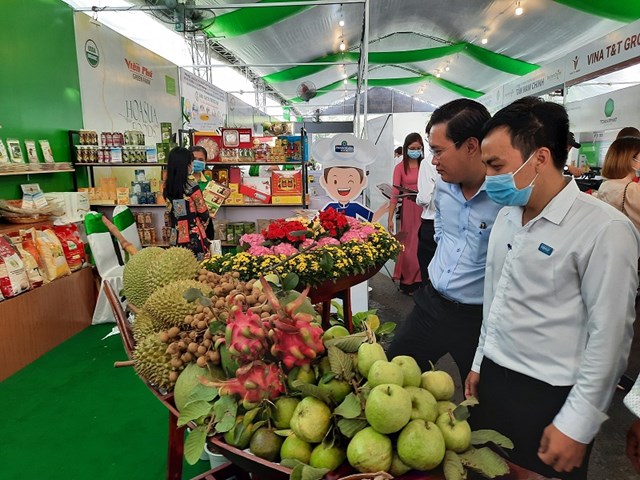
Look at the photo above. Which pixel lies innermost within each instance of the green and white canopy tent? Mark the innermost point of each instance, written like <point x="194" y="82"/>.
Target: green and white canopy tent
<point x="431" y="51"/>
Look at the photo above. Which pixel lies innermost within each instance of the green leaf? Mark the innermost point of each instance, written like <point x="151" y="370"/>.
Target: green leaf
<point x="348" y="344"/>
<point x="311" y="390"/>
<point x="290" y="281"/>
<point x="350" y="407"/>
<point x="192" y="294"/>
<point x="339" y="309"/>
<point x="480" y="437"/>
<point x="193" y="411"/>
<point x="283" y="433"/>
<point x="326" y="378"/>
<point x="296" y="473"/>
<point x="194" y="445"/>
<point x="386" y="328"/>
<point x="461" y="413"/>
<point x="452" y="466"/>
<point x="290" y="462"/>
<point x="470" y="402"/>
<point x="485" y="461"/>
<point x="298" y="233"/>
<point x="206" y="302"/>
<point x="251" y="415"/>
<point x="350" y="426"/>
<point x="226" y="409"/>
<point x="341" y="363"/>
<point x="201" y="392"/>
<point x="217" y="327"/>
<point x="326" y="262"/>
<point x="311" y="473"/>
<point x="272" y="278"/>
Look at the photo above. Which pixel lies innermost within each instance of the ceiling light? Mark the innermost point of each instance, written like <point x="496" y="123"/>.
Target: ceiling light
<point x="438" y="74"/>
<point x="345" y="81"/>
<point x="341" y="23"/>
<point x="484" y="40"/>
<point x="344" y="75"/>
<point x="519" y="9"/>
<point x="446" y="69"/>
<point x="343" y="47"/>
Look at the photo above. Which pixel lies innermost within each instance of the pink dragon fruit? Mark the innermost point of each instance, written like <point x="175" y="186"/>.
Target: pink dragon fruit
<point x="254" y="382"/>
<point x="295" y="340"/>
<point x="245" y="335"/>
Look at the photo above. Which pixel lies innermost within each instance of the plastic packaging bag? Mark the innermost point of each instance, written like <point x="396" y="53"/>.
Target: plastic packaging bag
<point x="72" y="245"/>
<point x="51" y="254"/>
<point x="36" y="278"/>
<point x="13" y="277"/>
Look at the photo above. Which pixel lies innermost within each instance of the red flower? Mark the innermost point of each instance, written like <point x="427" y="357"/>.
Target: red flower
<point x="281" y="231"/>
<point x="333" y="222"/>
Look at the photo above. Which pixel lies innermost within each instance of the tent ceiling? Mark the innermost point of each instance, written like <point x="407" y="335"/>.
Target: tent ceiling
<point x="546" y="31"/>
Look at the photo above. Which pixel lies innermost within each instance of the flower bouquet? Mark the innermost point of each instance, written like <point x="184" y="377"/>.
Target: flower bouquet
<point x="329" y="247"/>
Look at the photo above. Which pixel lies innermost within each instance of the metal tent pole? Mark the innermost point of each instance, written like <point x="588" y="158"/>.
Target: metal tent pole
<point x="365" y="69"/>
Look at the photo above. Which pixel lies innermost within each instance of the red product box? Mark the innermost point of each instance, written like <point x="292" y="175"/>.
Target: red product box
<point x="286" y="182"/>
<point x="252" y="192"/>
<point x="237" y="138"/>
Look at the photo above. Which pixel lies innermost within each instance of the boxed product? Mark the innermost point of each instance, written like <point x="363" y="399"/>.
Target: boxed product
<point x="214" y="195"/>
<point x="166" y="132"/>
<point x="256" y="189"/>
<point x="220" y="230"/>
<point x="122" y="195"/>
<point x="286" y="182"/>
<point x="293" y="148"/>
<point x="286" y="200"/>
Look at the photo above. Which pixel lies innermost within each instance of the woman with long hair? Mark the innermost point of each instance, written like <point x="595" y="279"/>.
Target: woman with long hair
<point x="191" y="226"/>
<point x="405" y="175"/>
<point x="620" y="190"/>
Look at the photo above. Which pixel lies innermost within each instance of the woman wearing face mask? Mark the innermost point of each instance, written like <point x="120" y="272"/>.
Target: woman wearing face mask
<point x="190" y="224"/>
<point x="405" y="175"/>
<point x="620" y="166"/>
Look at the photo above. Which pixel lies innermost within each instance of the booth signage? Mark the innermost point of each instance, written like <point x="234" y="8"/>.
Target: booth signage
<point x="609" y="111"/>
<point x="203" y="104"/>
<point x="610" y="50"/>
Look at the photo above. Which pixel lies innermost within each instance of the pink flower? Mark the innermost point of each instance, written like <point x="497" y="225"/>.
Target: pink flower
<point x="353" y="235"/>
<point x="308" y="242"/>
<point x="252" y="239"/>
<point x="285" y="249"/>
<point x="324" y="241"/>
<point x="353" y="222"/>
<point x="259" y="251"/>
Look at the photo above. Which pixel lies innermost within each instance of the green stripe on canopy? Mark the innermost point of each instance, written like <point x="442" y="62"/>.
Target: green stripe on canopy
<point x="621" y="10"/>
<point x="247" y="20"/>
<point x="491" y="59"/>
<point x="394" y="82"/>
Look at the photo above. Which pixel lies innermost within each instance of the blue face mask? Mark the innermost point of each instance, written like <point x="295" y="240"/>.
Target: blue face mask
<point x="502" y="188"/>
<point x="198" y="166"/>
<point x="415" y="154"/>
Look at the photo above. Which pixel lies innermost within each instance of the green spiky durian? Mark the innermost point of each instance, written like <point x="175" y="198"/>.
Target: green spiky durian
<point x="143" y="326"/>
<point x="134" y="278"/>
<point x="167" y="305"/>
<point x="175" y="263"/>
<point x="153" y="363"/>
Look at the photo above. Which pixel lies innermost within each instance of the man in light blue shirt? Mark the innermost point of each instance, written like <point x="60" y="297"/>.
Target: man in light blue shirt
<point x="447" y="314"/>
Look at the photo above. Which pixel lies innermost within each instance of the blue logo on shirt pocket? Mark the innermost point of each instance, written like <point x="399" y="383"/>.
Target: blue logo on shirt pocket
<point x="546" y="249"/>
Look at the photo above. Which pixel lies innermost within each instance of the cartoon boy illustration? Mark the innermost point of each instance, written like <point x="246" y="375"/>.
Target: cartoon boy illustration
<point x="344" y="158"/>
<point x="344" y="184"/>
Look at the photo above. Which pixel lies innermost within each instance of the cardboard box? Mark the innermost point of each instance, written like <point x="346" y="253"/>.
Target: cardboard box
<point x="286" y="200"/>
<point x="254" y="193"/>
<point x="234" y="187"/>
<point x="286" y="182"/>
<point x="122" y="195"/>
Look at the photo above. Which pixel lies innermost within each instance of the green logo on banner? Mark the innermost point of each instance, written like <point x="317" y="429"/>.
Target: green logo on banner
<point x="609" y="107"/>
<point x="170" y="85"/>
<point x="92" y="53"/>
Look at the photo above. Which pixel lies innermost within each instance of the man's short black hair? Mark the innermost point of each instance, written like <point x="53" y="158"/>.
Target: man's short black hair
<point x="464" y="118"/>
<point x="198" y="148"/>
<point x="533" y="123"/>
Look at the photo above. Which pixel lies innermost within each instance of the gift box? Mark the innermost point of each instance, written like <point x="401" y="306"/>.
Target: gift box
<point x="286" y="182"/>
<point x="286" y="200"/>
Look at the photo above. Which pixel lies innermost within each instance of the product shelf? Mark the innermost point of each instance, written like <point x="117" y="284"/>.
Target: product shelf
<point x="36" y="172"/>
<point x="120" y="164"/>
<point x="251" y="205"/>
<point x="248" y="164"/>
<point x="135" y="205"/>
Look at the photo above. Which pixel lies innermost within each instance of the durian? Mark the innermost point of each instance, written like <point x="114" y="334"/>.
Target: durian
<point x="134" y="278"/>
<point x="167" y="305"/>
<point x="153" y="363"/>
<point x="175" y="263"/>
<point x="143" y="326"/>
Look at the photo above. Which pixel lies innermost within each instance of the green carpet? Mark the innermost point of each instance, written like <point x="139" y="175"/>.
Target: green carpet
<point x="71" y="416"/>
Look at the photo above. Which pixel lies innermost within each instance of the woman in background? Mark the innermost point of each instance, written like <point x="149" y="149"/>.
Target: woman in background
<point x="405" y="175"/>
<point x="191" y="226"/>
<point x="620" y="190"/>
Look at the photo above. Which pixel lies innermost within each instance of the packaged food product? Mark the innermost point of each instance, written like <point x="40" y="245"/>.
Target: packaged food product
<point x="13" y="277"/>
<point x="30" y="265"/>
<point x="51" y="254"/>
<point x="72" y="245"/>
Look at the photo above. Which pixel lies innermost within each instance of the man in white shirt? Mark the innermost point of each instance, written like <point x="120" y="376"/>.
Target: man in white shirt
<point x="559" y="298"/>
<point x="427" y="176"/>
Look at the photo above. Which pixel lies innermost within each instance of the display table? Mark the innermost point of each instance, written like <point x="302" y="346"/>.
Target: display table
<point x="33" y="323"/>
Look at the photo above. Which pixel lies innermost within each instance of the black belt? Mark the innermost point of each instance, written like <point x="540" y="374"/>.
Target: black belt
<point x="452" y="303"/>
<point x="426" y="220"/>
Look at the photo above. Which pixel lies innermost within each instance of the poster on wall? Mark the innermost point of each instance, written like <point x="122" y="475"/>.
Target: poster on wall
<point x="123" y="85"/>
<point x="610" y="111"/>
<point x="204" y="105"/>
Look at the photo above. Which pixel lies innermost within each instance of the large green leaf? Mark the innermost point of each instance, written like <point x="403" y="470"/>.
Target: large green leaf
<point x="349" y="344"/>
<point x="341" y="363"/>
<point x="312" y="391"/>
<point x="225" y="409"/>
<point x="350" y="426"/>
<point x="350" y="407"/>
<point x="194" y="445"/>
<point x="452" y="467"/>
<point x="480" y="437"/>
<point x="485" y="461"/>
<point x="202" y="392"/>
<point x="193" y="411"/>
<point x="290" y="281"/>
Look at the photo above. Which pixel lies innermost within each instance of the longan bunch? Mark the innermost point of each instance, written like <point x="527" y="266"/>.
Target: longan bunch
<point x="193" y="341"/>
<point x="229" y="290"/>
